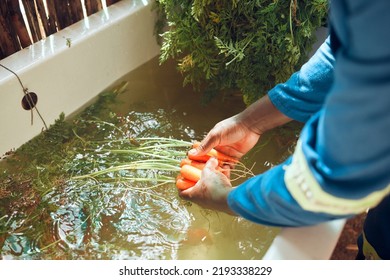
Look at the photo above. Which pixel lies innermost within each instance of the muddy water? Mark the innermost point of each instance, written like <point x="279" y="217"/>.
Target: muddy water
<point x="113" y="221"/>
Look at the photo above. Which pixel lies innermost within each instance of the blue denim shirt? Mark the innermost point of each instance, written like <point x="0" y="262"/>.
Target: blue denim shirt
<point x="343" y="96"/>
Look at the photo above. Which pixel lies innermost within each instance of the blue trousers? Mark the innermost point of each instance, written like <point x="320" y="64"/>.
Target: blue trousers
<point x="374" y="242"/>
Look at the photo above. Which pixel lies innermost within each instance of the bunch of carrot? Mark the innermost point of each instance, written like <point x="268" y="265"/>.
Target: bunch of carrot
<point x="164" y="156"/>
<point x="192" y="166"/>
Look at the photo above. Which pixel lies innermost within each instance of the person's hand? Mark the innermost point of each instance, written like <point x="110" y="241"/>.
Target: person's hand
<point x="234" y="137"/>
<point x="211" y="190"/>
<point x="230" y="136"/>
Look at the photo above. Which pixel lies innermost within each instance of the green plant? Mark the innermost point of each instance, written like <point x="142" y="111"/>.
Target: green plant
<point x="239" y="45"/>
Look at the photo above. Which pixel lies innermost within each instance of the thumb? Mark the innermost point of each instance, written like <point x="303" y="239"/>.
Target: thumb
<point x="211" y="166"/>
<point x="202" y="148"/>
<point x="199" y="150"/>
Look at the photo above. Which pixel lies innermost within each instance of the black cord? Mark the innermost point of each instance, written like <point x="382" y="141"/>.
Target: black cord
<point x="20" y="81"/>
<point x="28" y="97"/>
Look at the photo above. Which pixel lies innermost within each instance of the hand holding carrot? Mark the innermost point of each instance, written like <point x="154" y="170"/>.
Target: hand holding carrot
<point x="230" y="137"/>
<point x="236" y="135"/>
<point x="191" y="167"/>
<point x="233" y="137"/>
<point x="211" y="190"/>
<point x="223" y="146"/>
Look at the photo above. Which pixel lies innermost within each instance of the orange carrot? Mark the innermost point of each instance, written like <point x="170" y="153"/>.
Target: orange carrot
<point x="197" y="164"/>
<point x="185" y="161"/>
<point x="214" y="153"/>
<point x="203" y="158"/>
<point x="183" y="184"/>
<point x="190" y="172"/>
<point x="194" y="163"/>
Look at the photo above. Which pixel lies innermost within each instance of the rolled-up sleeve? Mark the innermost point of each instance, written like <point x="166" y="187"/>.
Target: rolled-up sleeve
<point x="341" y="165"/>
<point x="304" y="93"/>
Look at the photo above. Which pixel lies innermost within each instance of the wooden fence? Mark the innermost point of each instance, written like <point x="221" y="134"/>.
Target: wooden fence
<point x="43" y="20"/>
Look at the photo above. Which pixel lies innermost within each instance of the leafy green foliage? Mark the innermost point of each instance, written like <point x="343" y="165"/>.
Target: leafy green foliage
<point x="239" y="45"/>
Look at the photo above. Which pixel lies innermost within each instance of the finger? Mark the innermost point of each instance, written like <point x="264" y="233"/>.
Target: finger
<point x="226" y="170"/>
<point x="209" y="170"/>
<point x="187" y="193"/>
<point x="205" y="146"/>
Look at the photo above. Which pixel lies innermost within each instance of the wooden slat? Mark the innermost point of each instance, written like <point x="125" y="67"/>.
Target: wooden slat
<point x="93" y="6"/>
<point x="6" y="47"/>
<point x="32" y="18"/>
<point x="9" y="43"/>
<point x="19" y="24"/>
<point x="76" y="10"/>
<point x="48" y="22"/>
<point x="63" y="17"/>
<point x="14" y="33"/>
<point x="110" y="2"/>
<point x="52" y="15"/>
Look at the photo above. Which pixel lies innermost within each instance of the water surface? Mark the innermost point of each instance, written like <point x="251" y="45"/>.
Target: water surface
<point x="49" y="216"/>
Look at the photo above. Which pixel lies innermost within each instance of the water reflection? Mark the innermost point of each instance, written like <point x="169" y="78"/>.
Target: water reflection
<point x="86" y="219"/>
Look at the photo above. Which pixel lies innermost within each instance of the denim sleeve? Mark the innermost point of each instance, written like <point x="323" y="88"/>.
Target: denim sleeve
<point x="265" y="199"/>
<point x="304" y="93"/>
<point x="351" y="151"/>
<point x="345" y="141"/>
